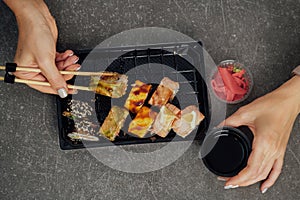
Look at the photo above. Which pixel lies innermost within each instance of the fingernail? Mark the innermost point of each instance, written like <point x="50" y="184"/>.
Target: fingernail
<point x="221" y="179"/>
<point x="62" y="93"/>
<point x="78" y="68"/>
<point x="264" y="190"/>
<point x="227" y="187"/>
<point x="75" y="91"/>
<point x="71" y="54"/>
<point x="235" y="186"/>
<point x="76" y="61"/>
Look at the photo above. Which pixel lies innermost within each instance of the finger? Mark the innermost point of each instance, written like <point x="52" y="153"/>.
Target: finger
<point x="39" y="77"/>
<point x="273" y="176"/>
<point x="237" y="119"/>
<point x="50" y="71"/>
<point x="248" y="175"/>
<point x="262" y="174"/>
<point x="69" y="61"/>
<point x="74" y="67"/>
<point x="234" y="120"/>
<point x="221" y="178"/>
<point x="30" y="76"/>
<point x="63" y="56"/>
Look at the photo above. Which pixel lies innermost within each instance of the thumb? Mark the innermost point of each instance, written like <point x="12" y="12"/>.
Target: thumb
<point x="54" y="77"/>
<point x="235" y="120"/>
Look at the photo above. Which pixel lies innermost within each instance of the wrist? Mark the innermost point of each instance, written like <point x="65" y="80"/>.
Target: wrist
<point x="30" y="10"/>
<point x="297" y="89"/>
<point x="291" y="91"/>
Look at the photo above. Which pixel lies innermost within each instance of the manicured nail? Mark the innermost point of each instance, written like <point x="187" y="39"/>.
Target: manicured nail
<point x="76" y="61"/>
<point x="221" y="179"/>
<point x="228" y="187"/>
<point x="75" y="91"/>
<point x="71" y="54"/>
<point x="264" y="190"/>
<point x="62" y="93"/>
<point x="235" y="186"/>
<point x="78" y="68"/>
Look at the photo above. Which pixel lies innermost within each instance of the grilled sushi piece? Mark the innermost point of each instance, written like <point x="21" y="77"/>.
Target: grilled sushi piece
<point x="164" y="120"/>
<point x="142" y="122"/>
<point x="111" y="84"/>
<point x="137" y="96"/>
<point x="166" y="90"/>
<point x="172" y="85"/>
<point x="113" y="122"/>
<point x="190" y="118"/>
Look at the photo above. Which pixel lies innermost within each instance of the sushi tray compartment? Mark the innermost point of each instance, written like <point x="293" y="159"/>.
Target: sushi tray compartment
<point x="83" y="118"/>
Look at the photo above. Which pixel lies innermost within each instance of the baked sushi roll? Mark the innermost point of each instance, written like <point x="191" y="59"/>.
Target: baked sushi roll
<point x="189" y="119"/>
<point x="142" y="122"/>
<point x="172" y="85"/>
<point x="164" y="120"/>
<point x="110" y="84"/>
<point x="113" y="122"/>
<point x="137" y="96"/>
<point x="166" y="90"/>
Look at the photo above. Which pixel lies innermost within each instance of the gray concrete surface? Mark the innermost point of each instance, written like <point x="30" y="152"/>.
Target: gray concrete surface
<point x="264" y="35"/>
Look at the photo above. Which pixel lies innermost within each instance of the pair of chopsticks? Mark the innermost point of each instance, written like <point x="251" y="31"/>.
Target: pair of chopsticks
<point x="12" y="67"/>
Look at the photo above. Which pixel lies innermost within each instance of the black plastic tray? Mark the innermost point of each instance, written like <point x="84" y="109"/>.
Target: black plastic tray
<point x="161" y="54"/>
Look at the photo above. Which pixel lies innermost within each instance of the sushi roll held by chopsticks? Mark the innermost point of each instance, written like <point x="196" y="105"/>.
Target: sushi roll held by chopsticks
<point x="109" y="84"/>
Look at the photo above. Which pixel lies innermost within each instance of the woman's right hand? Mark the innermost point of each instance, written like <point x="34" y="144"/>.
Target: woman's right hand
<point x="37" y="47"/>
<point x="65" y="61"/>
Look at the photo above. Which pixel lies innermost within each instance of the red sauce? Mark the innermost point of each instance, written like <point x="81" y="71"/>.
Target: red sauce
<point x="142" y="89"/>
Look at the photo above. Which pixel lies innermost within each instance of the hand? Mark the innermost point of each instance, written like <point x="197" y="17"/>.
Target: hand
<point x="271" y="119"/>
<point x="37" y="47"/>
<point x="65" y="61"/>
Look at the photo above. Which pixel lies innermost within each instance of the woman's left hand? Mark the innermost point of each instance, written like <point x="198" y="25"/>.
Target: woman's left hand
<point x="271" y="120"/>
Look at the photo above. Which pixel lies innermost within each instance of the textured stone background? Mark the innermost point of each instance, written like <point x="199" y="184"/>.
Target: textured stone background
<point x="265" y="35"/>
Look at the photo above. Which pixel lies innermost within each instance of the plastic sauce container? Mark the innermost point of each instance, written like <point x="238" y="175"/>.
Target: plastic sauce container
<point x="225" y="151"/>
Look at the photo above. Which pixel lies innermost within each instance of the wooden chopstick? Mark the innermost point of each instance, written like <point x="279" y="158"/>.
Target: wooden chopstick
<point x="78" y="73"/>
<point x="30" y="82"/>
